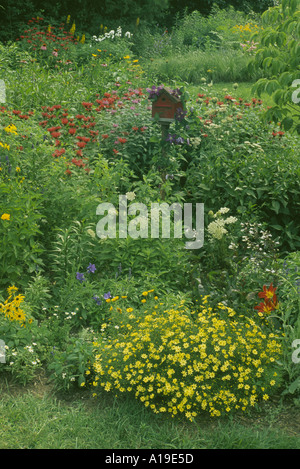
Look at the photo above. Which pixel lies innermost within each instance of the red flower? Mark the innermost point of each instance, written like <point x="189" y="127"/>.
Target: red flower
<point x="72" y="131"/>
<point x="268" y="293"/>
<point x="264" y="308"/>
<point x="64" y="120"/>
<point x="58" y="153"/>
<point x="78" y="162"/>
<point x="104" y="136"/>
<point x="54" y="129"/>
<point x="81" y="144"/>
<point x="270" y="300"/>
<point x="122" y="140"/>
<point x="84" y="139"/>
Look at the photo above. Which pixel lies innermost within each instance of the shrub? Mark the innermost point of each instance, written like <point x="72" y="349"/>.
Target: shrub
<point x="181" y="361"/>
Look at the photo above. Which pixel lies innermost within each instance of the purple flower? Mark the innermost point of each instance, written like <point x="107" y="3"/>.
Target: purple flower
<point x="97" y="299"/>
<point x="107" y="295"/>
<point x="91" y="268"/>
<point x="179" y="140"/>
<point x="180" y="114"/>
<point x="80" y="277"/>
<point x="171" y="138"/>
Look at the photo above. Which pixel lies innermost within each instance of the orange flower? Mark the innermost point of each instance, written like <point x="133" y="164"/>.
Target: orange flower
<point x="270" y="300"/>
<point x="268" y="293"/>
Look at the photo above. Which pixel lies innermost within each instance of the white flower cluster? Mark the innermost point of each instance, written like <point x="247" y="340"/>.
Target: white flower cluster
<point x="216" y="228"/>
<point x="112" y="34"/>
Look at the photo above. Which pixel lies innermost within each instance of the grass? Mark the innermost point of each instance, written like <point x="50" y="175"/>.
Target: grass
<point x="244" y="91"/>
<point x="36" y="418"/>
<point x="230" y="66"/>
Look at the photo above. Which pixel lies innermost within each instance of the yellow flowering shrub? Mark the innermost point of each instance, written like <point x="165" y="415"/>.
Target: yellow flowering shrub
<point x="180" y="361"/>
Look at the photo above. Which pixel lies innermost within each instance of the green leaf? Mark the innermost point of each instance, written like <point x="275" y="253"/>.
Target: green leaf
<point x="272" y="86"/>
<point x="287" y="123"/>
<point x="276" y="206"/>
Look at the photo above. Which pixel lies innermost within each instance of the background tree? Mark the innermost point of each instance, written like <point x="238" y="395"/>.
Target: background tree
<point x="278" y="57"/>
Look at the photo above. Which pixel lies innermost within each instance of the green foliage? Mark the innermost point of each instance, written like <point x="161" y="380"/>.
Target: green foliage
<point x="278" y="57"/>
<point x="68" y="366"/>
<point x="78" y="133"/>
<point x="289" y="317"/>
<point x="20" y="246"/>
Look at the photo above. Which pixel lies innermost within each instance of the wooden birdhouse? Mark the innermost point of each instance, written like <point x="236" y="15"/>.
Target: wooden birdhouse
<point x="165" y="106"/>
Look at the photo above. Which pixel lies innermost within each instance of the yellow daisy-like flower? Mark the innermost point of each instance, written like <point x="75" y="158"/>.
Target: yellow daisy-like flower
<point x="11" y="129"/>
<point x="129" y="310"/>
<point x="145" y="293"/>
<point x="4" y="145"/>
<point x="5" y="216"/>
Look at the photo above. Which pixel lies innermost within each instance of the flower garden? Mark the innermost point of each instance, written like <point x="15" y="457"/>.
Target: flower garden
<point x="185" y="332"/>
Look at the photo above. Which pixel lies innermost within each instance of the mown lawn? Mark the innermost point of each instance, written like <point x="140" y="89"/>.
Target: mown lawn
<point x="36" y="418"/>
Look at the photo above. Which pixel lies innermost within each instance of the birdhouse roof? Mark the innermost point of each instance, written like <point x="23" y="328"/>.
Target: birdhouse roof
<point x="169" y="96"/>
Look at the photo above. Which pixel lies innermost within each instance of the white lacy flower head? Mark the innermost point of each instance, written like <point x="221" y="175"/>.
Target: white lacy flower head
<point x="216" y="229"/>
<point x="223" y="210"/>
<point x="196" y="141"/>
<point x="230" y="220"/>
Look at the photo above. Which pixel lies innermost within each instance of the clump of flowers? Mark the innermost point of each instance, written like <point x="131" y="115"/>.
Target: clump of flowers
<point x="270" y="301"/>
<point x="183" y="361"/>
<point x="216" y="228"/>
<point x="112" y="34"/>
